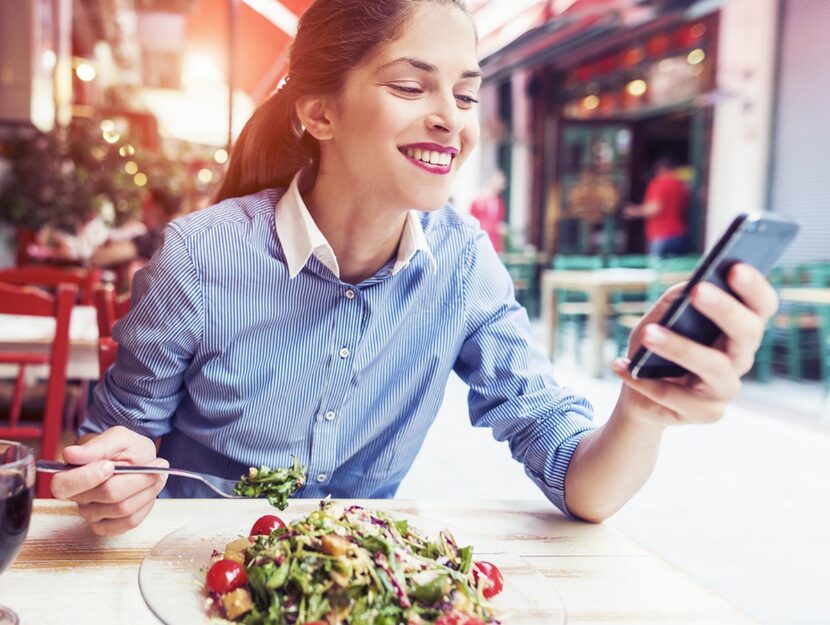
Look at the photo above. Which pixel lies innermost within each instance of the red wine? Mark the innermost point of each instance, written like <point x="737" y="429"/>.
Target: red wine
<point x="15" y="512"/>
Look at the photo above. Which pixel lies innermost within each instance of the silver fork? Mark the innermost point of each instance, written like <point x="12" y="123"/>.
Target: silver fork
<point x="221" y="486"/>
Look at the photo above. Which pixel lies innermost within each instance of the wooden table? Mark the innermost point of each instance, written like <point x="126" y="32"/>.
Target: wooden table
<point x="65" y="574"/>
<point x="597" y="284"/>
<point x="33" y="334"/>
<point x="803" y="295"/>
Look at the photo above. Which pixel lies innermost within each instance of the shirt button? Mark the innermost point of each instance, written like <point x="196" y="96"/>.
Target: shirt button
<point x="349" y="294"/>
<point x="330" y="415"/>
<point x="321" y="477"/>
<point x="344" y="352"/>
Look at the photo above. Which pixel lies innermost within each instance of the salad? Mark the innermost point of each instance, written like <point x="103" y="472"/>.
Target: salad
<point x="349" y="567"/>
<point x="274" y="484"/>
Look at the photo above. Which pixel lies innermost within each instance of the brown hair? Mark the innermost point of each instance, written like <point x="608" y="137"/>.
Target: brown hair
<point x="333" y="37"/>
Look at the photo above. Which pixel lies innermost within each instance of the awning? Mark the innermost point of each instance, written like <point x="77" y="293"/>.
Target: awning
<point x="555" y="29"/>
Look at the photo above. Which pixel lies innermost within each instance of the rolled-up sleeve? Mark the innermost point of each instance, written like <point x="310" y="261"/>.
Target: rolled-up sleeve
<point x="156" y="342"/>
<point x="512" y="388"/>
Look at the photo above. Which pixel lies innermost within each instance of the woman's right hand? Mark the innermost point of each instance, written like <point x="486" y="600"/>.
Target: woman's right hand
<point x="112" y="504"/>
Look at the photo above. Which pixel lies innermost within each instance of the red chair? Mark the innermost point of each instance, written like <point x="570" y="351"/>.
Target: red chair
<point x="16" y="300"/>
<point x="45" y="276"/>
<point x="109" y="309"/>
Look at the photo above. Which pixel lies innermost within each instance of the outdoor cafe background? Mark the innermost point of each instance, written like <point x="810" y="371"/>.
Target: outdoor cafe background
<point x="580" y="96"/>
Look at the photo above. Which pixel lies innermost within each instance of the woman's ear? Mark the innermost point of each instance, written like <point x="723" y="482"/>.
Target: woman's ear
<point x="315" y="116"/>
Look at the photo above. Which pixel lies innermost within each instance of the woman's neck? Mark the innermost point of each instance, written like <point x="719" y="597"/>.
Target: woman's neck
<point x="363" y="234"/>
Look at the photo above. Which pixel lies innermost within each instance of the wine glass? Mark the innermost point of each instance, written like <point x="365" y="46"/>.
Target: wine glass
<point x="17" y="483"/>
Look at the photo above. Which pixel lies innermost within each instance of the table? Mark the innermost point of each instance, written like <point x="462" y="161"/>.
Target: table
<point x="33" y="334"/>
<point x="597" y="284"/>
<point x="804" y="295"/>
<point x="65" y="574"/>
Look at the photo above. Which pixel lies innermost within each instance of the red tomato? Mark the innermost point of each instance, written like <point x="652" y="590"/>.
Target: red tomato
<point x="266" y="524"/>
<point x="458" y="618"/>
<point x="225" y="576"/>
<point x="495" y="582"/>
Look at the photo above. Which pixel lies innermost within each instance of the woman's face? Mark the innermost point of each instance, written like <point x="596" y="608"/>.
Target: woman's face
<point x="407" y="119"/>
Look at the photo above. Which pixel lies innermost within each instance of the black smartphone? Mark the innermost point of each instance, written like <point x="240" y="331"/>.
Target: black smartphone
<point x="758" y="239"/>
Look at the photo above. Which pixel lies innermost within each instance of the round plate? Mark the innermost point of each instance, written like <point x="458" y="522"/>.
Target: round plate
<point x="172" y="573"/>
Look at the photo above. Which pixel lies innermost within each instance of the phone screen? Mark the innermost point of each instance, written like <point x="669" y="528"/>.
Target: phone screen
<point x="758" y="240"/>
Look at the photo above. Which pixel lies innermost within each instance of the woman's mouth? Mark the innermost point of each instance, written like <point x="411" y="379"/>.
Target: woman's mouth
<point x="432" y="161"/>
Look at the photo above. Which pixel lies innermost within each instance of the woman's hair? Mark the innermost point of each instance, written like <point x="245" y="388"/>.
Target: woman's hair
<point x="333" y="37"/>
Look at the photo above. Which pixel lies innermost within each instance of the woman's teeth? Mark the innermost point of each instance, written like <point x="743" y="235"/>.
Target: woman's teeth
<point x="426" y="156"/>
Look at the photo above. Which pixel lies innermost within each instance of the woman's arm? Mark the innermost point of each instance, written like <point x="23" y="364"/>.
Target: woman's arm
<point x="611" y="464"/>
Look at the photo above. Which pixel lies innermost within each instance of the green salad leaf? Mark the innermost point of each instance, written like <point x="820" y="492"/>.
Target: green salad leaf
<point x="274" y="484"/>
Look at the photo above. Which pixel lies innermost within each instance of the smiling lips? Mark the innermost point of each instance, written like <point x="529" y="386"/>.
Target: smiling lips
<point x="434" y="158"/>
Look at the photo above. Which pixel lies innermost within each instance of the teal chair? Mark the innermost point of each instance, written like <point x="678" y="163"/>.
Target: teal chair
<point x="573" y="307"/>
<point x="669" y="271"/>
<point x="523" y="268"/>
<point x="798" y="333"/>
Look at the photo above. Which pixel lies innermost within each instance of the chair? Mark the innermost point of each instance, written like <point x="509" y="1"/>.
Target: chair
<point x="796" y="340"/>
<point x="522" y="267"/>
<point x="16" y="300"/>
<point x="573" y="307"/>
<point x="109" y="309"/>
<point x="669" y="271"/>
<point x="50" y="276"/>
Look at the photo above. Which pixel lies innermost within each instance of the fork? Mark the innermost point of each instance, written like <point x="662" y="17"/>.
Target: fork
<point x="222" y="487"/>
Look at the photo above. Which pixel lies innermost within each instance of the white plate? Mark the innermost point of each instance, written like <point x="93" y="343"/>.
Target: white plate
<point x="172" y="579"/>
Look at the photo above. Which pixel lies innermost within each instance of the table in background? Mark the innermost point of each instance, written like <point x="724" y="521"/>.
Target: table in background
<point x="65" y="574"/>
<point x="805" y="295"/>
<point x="597" y="284"/>
<point x="33" y="334"/>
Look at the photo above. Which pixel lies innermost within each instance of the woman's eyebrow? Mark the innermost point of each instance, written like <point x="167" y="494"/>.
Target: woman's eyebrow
<point x="428" y="67"/>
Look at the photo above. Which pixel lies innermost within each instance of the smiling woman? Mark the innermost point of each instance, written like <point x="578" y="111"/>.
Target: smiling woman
<point x="339" y="65"/>
<point x="319" y="307"/>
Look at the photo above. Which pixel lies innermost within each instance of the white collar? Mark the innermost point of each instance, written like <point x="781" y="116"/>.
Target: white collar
<point x="300" y="237"/>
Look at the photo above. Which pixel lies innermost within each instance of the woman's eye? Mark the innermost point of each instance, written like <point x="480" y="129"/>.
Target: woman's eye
<point x="407" y="90"/>
<point x="466" y="99"/>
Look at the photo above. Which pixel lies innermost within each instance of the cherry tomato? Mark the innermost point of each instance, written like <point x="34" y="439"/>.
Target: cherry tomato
<point x="266" y="524"/>
<point x="457" y="618"/>
<point x="495" y="582"/>
<point x="225" y="576"/>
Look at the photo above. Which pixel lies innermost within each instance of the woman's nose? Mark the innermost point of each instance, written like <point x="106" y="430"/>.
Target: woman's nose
<point x="445" y="116"/>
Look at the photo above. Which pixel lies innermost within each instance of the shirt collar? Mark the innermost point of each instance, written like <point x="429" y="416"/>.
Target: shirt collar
<point x="301" y="238"/>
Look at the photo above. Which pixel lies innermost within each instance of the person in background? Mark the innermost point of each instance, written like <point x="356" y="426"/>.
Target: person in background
<point x="665" y="211"/>
<point x="488" y="208"/>
<point x="158" y="212"/>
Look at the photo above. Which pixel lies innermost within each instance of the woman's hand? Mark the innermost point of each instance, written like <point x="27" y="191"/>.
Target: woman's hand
<point x="716" y="371"/>
<point x="112" y="504"/>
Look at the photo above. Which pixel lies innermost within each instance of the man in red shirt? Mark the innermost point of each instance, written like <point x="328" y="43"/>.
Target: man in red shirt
<point x="664" y="208"/>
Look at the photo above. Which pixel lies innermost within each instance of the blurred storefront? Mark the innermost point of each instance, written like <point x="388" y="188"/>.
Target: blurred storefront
<point x="606" y="88"/>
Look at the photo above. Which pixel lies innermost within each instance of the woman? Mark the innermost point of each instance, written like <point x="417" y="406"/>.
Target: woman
<point x="319" y="307"/>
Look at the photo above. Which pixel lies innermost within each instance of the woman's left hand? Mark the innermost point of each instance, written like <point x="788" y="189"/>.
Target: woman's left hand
<point x="716" y="371"/>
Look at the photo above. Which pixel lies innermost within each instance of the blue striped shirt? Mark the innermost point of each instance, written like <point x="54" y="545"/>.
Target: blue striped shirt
<point x="235" y="363"/>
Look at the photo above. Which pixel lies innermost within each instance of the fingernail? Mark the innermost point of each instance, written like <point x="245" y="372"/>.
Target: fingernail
<point x="620" y="364"/>
<point x="655" y="334"/>
<point x="107" y="467"/>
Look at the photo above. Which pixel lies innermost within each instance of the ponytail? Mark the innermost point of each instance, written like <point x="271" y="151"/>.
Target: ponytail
<point x="270" y="150"/>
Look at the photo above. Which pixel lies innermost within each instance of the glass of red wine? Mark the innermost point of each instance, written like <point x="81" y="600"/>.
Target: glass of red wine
<point x="17" y="483"/>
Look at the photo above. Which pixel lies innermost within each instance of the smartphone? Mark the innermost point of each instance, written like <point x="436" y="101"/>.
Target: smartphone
<point x="758" y="239"/>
